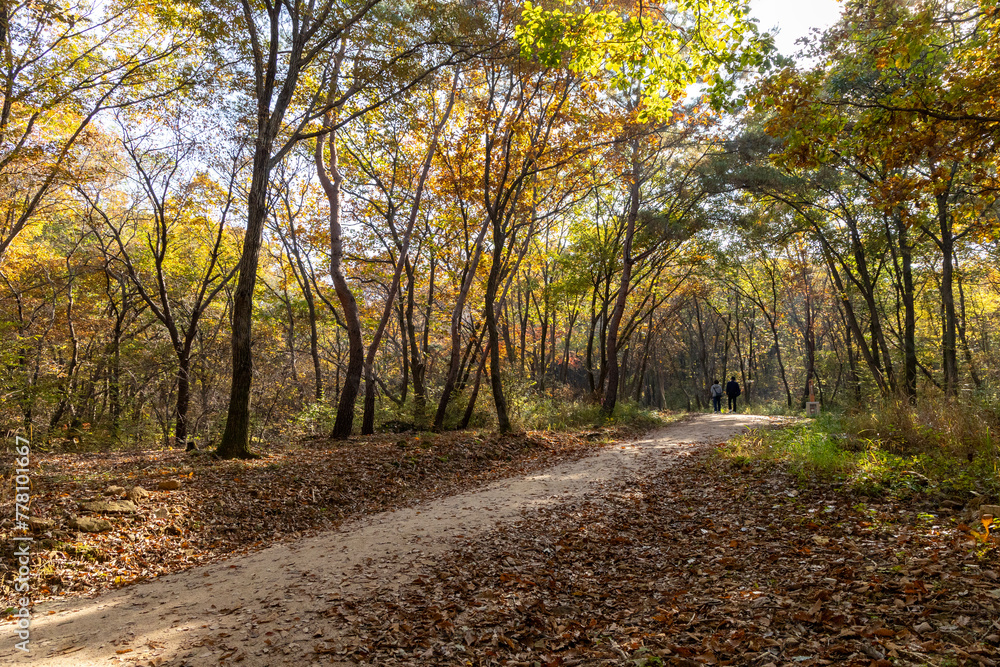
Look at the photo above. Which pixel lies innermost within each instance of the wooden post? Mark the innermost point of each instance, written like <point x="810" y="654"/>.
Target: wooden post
<point x="812" y="407"/>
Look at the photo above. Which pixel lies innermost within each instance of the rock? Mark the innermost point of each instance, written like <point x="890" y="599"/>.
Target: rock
<point x="40" y="525"/>
<point x="109" y="506"/>
<point x="990" y="509"/>
<point x="116" y="491"/>
<point x="137" y="493"/>
<point x="161" y="513"/>
<point x="89" y="524"/>
<point x="975" y="508"/>
<point x="169" y="485"/>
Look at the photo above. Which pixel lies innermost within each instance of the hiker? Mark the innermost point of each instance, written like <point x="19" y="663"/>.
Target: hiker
<point x="732" y="391"/>
<point x="717" y="396"/>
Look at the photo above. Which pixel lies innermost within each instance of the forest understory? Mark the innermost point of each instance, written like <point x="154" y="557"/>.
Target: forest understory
<point x="707" y="564"/>
<point x="713" y="560"/>
<point x="224" y="508"/>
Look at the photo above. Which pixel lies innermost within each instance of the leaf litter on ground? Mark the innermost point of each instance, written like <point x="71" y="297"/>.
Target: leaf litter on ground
<point x="705" y="564"/>
<point x="225" y="508"/>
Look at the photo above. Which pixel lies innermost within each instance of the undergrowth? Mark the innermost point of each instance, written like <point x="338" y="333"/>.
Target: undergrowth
<point x="943" y="447"/>
<point x="555" y="413"/>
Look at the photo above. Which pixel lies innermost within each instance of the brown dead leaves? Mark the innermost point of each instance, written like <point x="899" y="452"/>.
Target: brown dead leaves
<point x="705" y="564"/>
<point x="223" y="508"/>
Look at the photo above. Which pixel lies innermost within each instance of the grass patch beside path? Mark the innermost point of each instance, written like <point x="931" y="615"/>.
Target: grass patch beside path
<point x="892" y="449"/>
<point x="223" y="508"/>
<point x="805" y="447"/>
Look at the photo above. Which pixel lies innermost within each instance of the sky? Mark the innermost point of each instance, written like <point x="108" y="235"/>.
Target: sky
<point x="793" y="18"/>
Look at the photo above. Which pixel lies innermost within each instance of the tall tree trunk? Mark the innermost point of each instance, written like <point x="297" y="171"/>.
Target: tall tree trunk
<point x="418" y="356"/>
<point x="492" y="286"/>
<point x="568" y="340"/>
<point x="590" y="342"/>
<point x="470" y="407"/>
<point x="868" y="352"/>
<point x="949" y="337"/>
<point x="310" y="300"/>
<point x="114" y="390"/>
<point x="781" y="363"/>
<point x="645" y="359"/>
<point x="962" y="337"/>
<point x="404" y="381"/>
<point x="331" y="181"/>
<point x="235" y="442"/>
<point x="368" y="421"/>
<point x="540" y="376"/>
<point x="903" y="250"/>
<point x="611" y="394"/>
<point x="66" y="391"/>
<point x="183" y="401"/>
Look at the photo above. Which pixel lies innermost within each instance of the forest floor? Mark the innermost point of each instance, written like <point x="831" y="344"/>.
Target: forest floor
<point x="655" y="551"/>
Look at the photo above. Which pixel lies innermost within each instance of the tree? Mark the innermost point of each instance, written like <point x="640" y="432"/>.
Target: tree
<point x="285" y="42"/>
<point x="403" y="242"/>
<point x="174" y="225"/>
<point x="62" y="64"/>
<point x="863" y="118"/>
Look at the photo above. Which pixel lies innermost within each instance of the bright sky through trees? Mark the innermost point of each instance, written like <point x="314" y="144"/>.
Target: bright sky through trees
<point x="794" y="18"/>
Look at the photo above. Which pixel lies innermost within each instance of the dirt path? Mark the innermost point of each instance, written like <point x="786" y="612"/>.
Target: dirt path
<point x="268" y="608"/>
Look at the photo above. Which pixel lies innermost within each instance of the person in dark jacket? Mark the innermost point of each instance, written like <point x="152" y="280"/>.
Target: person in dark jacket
<point x="732" y="391"/>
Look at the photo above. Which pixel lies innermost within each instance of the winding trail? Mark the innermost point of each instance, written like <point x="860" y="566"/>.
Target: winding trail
<point x="267" y="608"/>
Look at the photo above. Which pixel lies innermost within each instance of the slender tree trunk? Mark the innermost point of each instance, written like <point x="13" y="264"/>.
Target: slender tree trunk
<point x="542" y="352"/>
<point x="183" y="401"/>
<point x="368" y="421"/>
<point x="492" y="286"/>
<point x="418" y="357"/>
<point x="781" y="363"/>
<point x="868" y="352"/>
<point x="907" y="294"/>
<point x="116" y="374"/>
<point x="568" y="340"/>
<point x="404" y="382"/>
<point x="456" y="329"/>
<point x="603" y="338"/>
<point x="235" y="442"/>
<point x="611" y="394"/>
<point x="66" y="390"/>
<point x="645" y="359"/>
<point x="590" y="342"/>
<point x="962" y="337"/>
<point x="331" y="181"/>
<point x="470" y="407"/>
<point x="949" y="347"/>
<point x="310" y="300"/>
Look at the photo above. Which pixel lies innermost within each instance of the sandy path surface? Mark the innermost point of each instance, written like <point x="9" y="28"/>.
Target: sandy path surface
<point x="268" y="608"/>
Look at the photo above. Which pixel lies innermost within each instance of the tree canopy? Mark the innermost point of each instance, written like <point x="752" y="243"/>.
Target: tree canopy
<point x="225" y="221"/>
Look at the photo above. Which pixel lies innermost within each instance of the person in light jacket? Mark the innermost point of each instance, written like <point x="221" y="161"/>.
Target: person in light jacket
<point x="717" y="396"/>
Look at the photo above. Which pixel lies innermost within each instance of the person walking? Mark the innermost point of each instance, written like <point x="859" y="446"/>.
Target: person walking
<point x="732" y="391"/>
<point x="717" y="396"/>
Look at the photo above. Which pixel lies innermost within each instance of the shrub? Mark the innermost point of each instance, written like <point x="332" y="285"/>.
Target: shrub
<point x="893" y="447"/>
